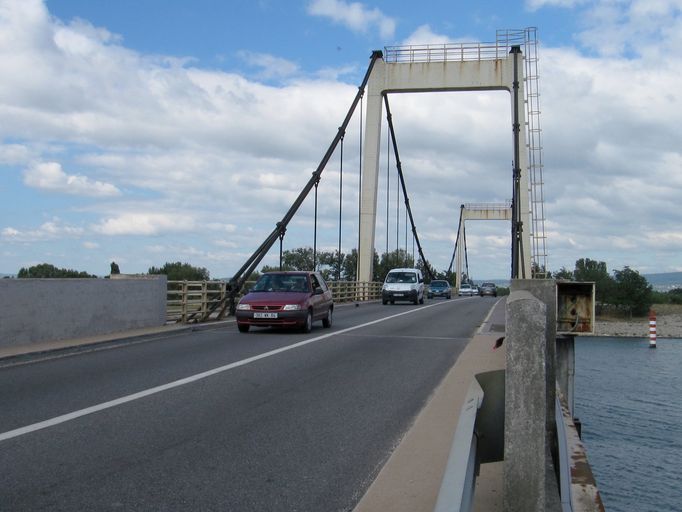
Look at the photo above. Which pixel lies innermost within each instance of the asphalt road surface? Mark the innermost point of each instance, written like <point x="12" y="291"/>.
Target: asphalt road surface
<point x="217" y="420"/>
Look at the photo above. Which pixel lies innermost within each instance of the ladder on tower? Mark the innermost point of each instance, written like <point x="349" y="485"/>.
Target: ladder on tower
<point x="528" y="38"/>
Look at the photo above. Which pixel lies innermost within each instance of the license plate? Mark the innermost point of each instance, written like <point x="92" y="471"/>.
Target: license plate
<point x="398" y="294"/>
<point x="265" y="315"/>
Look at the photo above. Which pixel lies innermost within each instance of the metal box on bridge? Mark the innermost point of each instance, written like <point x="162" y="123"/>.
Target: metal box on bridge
<point x="575" y="302"/>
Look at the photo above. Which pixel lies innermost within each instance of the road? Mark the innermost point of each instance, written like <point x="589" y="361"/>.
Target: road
<point x="218" y="420"/>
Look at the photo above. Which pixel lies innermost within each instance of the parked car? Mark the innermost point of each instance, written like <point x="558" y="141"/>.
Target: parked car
<point x="403" y="284"/>
<point x="487" y="289"/>
<point x="465" y="290"/>
<point x="439" y="289"/>
<point x="286" y="299"/>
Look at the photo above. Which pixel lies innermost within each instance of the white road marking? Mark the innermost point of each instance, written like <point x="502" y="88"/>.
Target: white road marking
<point x="192" y="378"/>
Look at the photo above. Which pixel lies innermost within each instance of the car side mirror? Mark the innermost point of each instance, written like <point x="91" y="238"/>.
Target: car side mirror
<point x="318" y="291"/>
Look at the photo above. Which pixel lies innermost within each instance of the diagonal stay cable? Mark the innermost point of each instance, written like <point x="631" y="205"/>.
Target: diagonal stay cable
<point x="399" y="166"/>
<point x="240" y="277"/>
<point x="459" y="226"/>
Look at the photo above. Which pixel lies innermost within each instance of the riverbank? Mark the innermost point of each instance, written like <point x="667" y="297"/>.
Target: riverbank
<point x="668" y="324"/>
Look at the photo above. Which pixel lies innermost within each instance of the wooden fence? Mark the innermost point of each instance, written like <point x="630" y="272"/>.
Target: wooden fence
<point x="192" y="301"/>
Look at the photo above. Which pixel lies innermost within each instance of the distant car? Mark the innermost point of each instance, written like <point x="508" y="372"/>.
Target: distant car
<point x="403" y="284"/>
<point x="286" y="299"/>
<point x="439" y="289"/>
<point x="487" y="289"/>
<point x="465" y="290"/>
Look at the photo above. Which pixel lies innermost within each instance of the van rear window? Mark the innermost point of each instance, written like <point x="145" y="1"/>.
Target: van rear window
<point x="401" y="277"/>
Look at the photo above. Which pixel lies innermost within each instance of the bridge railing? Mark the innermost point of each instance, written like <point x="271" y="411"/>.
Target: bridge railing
<point x="192" y="300"/>
<point x="449" y="52"/>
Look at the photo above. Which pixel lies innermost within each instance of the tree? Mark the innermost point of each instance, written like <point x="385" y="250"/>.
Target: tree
<point x="46" y="270"/>
<point x="181" y="272"/>
<point x="563" y="274"/>
<point x="114" y="268"/>
<point x="632" y="290"/>
<point x="592" y="270"/>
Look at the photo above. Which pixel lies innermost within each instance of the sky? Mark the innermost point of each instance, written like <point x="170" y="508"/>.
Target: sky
<point x="153" y="131"/>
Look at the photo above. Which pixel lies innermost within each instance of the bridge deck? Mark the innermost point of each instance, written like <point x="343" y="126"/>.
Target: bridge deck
<point x="411" y="478"/>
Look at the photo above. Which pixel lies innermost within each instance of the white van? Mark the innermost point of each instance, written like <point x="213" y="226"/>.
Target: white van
<point x="403" y="284"/>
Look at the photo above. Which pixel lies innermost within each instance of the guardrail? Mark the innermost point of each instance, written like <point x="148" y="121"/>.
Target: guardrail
<point x="192" y="300"/>
<point x="457" y="488"/>
<point x="449" y="52"/>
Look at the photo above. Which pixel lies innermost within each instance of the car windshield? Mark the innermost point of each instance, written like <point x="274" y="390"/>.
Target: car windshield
<point x="439" y="284"/>
<point x="488" y="285"/>
<point x="401" y="277"/>
<point x="281" y="283"/>
<point x="465" y="285"/>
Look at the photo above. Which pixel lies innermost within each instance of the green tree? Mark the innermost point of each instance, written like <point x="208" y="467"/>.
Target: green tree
<point x="632" y="290"/>
<point x="563" y="274"/>
<point x="592" y="270"/>
<point x="46" y="270"/>
<point x="178" y="271"/>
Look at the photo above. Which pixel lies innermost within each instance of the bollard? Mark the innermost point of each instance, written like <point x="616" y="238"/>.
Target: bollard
<point x="652" y="328"/>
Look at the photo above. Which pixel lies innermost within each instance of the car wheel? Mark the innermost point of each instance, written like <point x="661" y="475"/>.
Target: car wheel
<point x="421" y="301"/>
<point x="308" y="325"/>
<point x="392" y="302"/>
<point x="384" y="301"/>
<point x="243" y="327"/>
<point x="449" y="296"/>
<point x="327" y="321"/>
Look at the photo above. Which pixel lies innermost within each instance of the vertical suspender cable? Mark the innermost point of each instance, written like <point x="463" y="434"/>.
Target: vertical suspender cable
<point x="406" y="251"/>
<point x="315" y="229"/>
<point x="466" y="256"/>
<point x="388" y="181"/>
<point x="357" y="264"/>
<point x="338" y="271"/>
<point x="281" y="240"/>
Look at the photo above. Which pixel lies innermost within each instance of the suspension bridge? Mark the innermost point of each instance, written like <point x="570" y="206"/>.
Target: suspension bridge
<point x="203" y="418"/>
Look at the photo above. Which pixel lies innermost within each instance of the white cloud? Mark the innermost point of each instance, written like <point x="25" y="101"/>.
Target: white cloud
<point x="50" y="176"/>
<point x="144" y="223"/>
<point x="534" y="5"/>
<point x="271" y="66"/>
<point x="355" y="15"/>
<point x="424" y="35"/>
<point x="219" y="158"/>
<point x="51" y="230"/>
<point x="91" y="245"/>
<point x="12" y="154"/>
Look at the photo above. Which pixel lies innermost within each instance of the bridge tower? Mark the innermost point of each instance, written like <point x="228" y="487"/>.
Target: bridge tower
<point x="477" y="211"/>
<point x="438" y="68"/>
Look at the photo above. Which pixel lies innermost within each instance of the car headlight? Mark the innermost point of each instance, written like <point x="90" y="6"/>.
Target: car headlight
<point x="243" y="307"/>
<point x="291" y="307"/>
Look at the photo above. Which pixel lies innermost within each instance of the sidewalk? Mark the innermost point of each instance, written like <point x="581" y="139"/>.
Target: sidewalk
<point x="33" y="349"/>
<point x="410" y="480"/>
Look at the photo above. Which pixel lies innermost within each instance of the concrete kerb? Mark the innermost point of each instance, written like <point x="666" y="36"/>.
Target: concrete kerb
<point x="411" y="478"/>
<point x="35" y="350"/>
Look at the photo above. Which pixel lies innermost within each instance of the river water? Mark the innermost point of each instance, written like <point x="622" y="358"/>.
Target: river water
<point x="629" y="399"/>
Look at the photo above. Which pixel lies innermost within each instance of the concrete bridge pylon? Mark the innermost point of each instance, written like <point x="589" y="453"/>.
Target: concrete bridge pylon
<point x="476" y="67"/>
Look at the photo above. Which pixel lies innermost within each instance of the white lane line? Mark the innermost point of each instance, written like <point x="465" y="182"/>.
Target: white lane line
<point x="192" y="378"/>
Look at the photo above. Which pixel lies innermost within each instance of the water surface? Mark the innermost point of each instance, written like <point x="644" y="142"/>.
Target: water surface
<point x="629" y="399"/>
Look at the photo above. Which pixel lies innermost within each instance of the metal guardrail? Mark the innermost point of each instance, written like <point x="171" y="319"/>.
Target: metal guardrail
<point x="193" y="300"/>
<point x="448" y="52"/>
<point x="456" y="492"/>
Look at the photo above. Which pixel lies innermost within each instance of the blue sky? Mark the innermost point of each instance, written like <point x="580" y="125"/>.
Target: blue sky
<point x="150" y="131"/>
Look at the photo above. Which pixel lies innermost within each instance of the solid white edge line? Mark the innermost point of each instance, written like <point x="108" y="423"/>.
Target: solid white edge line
<point x="192" y="378"/>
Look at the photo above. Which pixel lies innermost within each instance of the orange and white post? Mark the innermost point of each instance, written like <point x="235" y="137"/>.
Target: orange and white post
<point x="652" y="328"/>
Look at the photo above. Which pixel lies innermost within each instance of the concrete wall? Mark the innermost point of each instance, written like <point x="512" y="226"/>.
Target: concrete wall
<point x="39" y="310"/>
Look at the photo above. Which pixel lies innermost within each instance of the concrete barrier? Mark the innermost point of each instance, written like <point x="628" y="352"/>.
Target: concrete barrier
<point x="40" y="310"/>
